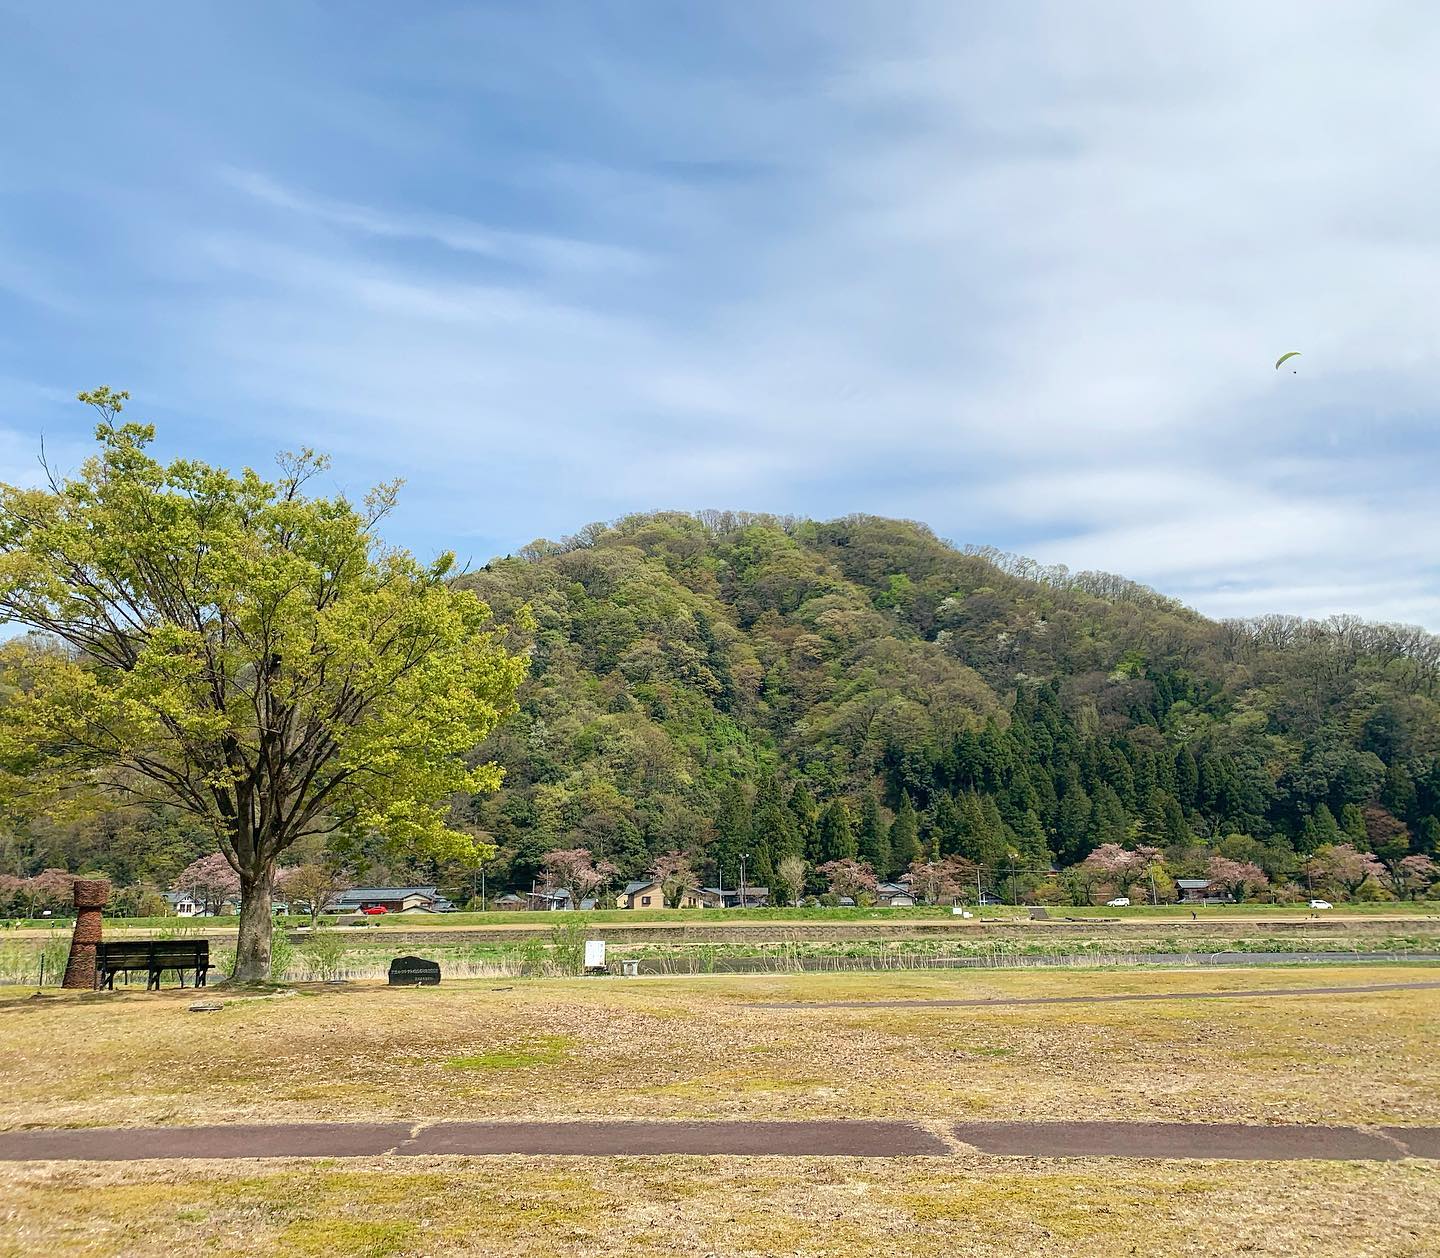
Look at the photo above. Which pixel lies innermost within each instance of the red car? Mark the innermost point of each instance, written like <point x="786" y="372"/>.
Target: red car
<point x="375" y="909"/>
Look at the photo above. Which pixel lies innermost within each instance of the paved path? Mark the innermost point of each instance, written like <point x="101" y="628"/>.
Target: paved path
<point x="986" y="1002"/>
<point x="857" y="1138"/>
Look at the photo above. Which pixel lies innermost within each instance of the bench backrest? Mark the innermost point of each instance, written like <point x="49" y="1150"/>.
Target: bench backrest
<point x="153" y="954"/>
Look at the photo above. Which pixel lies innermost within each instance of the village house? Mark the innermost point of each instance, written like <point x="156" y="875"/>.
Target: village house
<point x="392" y="900"/>
<point x="1201" y="891"/>
<point x="183" y="904"/>
<point x="556" y="900"/>
<point x="649" y="893"/>
<point x="892" y="895"/>
<point x="729" y="897"/>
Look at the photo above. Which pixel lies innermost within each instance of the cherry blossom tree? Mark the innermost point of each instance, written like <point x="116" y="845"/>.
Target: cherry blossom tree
<point x="209" y="881"/>
<point x="850" y="878"/>
<point x="675" y="874"/>
<point x="934" y="880"/>
<point x="1341" y="865"/>
<point x="1241" y="879"/>
<point x="1413" y="874"/>
<point x="577" y="870"/>
<point x="1116" y="865"/>
<point x="49" y="889"/>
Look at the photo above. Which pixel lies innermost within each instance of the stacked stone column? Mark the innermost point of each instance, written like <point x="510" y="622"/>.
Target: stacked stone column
<point x="90" y="897"/>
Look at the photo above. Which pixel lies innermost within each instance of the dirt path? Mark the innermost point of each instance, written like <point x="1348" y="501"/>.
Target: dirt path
<point x="729" y="1139"/>
<point x="988" y="1002"/>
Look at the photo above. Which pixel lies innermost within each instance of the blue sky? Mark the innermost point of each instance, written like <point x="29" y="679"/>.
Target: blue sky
<point x="1020" y="271"/>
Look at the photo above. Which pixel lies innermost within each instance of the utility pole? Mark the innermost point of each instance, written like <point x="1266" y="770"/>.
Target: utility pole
<point x="742" y="880"/>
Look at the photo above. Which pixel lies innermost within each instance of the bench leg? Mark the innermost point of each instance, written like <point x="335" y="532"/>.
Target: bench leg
<point x="152" y="981"/>
<point x="200" y="976"/>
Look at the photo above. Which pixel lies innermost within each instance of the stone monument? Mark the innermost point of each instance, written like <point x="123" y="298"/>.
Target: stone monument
<point x="413" y="972"/>
<point x="90" y="897"/>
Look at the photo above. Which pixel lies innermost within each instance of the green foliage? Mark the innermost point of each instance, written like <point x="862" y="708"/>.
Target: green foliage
<point x="835" y="839"/>
<point x="567" y="947"/>
<point x="723" y="672"/>
<point x="904" y="835"/>
<point x="282" y="954"/>
<point x="253" y="657"/>
<point x="728" y="686"/>
<point x="323" y="953"/>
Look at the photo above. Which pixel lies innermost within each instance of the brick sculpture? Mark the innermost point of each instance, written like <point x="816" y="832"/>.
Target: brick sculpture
<point x="90" y="897"/>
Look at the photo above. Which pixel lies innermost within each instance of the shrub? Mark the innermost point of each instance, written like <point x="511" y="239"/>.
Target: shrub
<point x="323" y="954"/>
<point x="282" y="953"/>
<point x="567" y="946"/>
<point x="534" y="958"/>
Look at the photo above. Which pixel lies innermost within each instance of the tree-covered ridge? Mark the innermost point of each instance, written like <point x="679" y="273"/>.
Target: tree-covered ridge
<point x="800" y="694"/>
<point x="727" y="684"/>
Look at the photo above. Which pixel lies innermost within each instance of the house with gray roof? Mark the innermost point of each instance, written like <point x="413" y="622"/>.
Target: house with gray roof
<point x="425" y="899"/>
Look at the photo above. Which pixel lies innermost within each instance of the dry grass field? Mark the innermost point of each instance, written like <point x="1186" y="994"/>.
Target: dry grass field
<point x="701" y="1048"/>
<point x="751" y="1207"/>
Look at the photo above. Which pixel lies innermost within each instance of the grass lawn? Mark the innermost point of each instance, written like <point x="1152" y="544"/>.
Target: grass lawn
<point x="665" y="1207"/>
<point x="697" y="1048"/>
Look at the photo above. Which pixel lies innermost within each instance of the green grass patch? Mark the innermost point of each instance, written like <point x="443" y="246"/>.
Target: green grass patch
<point x="544" y="1050"/>
<point x="356" y="1238"/>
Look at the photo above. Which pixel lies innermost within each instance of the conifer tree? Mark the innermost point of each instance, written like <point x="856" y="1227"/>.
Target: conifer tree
<point x="836" y="831"/>
<point x="873" y="839"/>
<point x="904" y="836"/>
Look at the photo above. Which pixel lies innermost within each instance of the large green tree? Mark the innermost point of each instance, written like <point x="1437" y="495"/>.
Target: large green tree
<point x="244" y="652"/>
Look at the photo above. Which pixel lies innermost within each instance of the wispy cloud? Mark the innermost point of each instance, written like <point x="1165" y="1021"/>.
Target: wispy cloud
<point x="1020" y="272"/>
<point x="462" y="235"/>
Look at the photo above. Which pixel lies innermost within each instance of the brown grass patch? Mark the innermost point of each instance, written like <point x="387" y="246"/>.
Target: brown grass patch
<point x="663" y="1207"/>
<point x="696" y="1047"/>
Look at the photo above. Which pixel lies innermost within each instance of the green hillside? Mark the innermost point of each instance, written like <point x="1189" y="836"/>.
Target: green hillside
<point x="725" y="685"/>
<point x="728" y="684"/>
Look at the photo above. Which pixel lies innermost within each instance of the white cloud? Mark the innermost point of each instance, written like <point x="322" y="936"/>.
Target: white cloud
<point x="463" y="235"/>
<point x="1020" y="272"/>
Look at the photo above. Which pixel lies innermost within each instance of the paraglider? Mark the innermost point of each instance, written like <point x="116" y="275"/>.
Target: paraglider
<point x="1294" y="353"/>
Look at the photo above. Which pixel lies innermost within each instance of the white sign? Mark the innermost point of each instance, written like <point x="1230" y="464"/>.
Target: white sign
<point x="594" y="954"/>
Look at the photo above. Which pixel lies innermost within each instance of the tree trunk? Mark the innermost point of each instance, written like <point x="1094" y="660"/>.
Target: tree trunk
<point x="252" y="949"/>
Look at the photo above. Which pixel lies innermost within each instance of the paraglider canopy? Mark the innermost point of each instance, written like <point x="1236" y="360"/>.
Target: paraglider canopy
<point x="1294" y="353"/>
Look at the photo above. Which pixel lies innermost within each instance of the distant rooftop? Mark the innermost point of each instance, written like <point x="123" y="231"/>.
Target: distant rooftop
<point x="386" y="893"/>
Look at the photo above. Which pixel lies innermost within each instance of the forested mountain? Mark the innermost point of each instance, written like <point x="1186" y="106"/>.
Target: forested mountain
<point x="724" y="684"/>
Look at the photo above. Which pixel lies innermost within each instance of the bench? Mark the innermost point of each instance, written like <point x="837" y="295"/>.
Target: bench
<point x="152" y="957"/>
